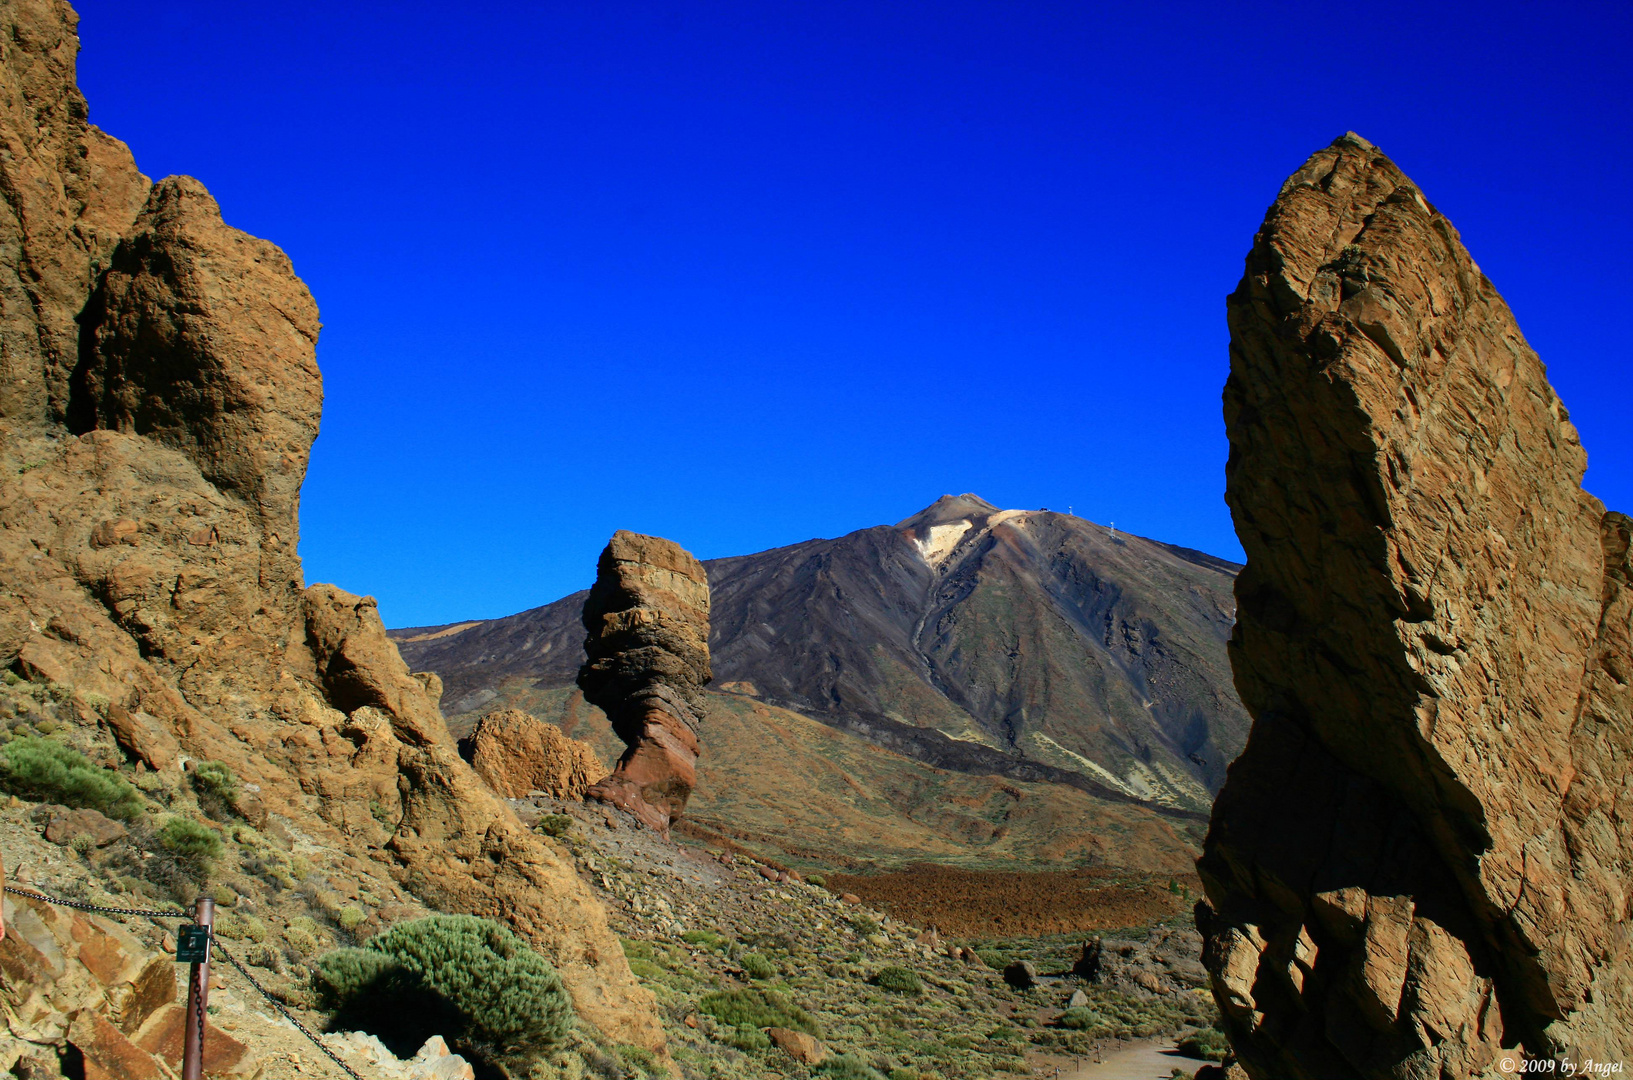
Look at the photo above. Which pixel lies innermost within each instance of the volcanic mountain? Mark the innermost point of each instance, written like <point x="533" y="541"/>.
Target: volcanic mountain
<point x="1028" y="644"/>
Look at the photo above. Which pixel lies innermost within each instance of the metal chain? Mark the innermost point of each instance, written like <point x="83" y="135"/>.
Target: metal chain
<point x="216" y="946"/>
<point x="285" y="1013"/>
<point x="82" y="906"/>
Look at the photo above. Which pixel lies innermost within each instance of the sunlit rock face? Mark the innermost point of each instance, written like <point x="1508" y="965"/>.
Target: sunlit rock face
<point x="1420" y="862"/>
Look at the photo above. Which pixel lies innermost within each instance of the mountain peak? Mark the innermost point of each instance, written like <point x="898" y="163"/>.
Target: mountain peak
<point x="949" y="508"/>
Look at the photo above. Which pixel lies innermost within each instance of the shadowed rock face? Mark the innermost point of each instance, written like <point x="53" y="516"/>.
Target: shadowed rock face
<point x="648" y="662"/>
<point x="1421" y="858"/>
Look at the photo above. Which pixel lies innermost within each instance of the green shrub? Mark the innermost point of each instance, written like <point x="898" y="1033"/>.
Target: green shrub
<point x="639" y="1057"/>
<point x="901" y="980"/>
<point x="1081" y="1019"/>
<point x="993" y="959"/>
<point x="216" y="786"/>
<point x="195" y="846"/>
<point x="44" y="770"/>
<point x="756" y="966"/>
<point x="339" y="977"/>
<point x="351" y="918"/>
<point x="747" y="1039"/>
<point x="864" y="925"/>
<point x="1208" y="1042"/>
<point x="708" y="939"/>
<point x="467" y="978"/>
<point x="554" y="824"/>
<point x="758" y="1009"/>
<point x="848" y="1067"/>
<point x="818" y="880"/>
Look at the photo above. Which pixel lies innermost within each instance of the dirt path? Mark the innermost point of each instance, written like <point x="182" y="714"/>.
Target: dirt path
<point x="1153" y="1059"/>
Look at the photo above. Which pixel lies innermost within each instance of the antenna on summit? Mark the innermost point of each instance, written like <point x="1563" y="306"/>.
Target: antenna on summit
<point x="1113" y="532"/>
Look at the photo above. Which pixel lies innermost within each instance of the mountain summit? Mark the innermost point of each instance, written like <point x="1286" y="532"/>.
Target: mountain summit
<point x="1026" y="643"/>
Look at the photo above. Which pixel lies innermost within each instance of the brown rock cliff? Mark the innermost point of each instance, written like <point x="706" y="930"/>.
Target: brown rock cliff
<point x="150" y="466"/>
<point x="648" y="662"/>
<point x="1421" y="858"/>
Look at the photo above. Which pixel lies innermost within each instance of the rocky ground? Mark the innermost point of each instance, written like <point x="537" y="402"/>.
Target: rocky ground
<point x="718" y="936"/>
<point x="733" y="948"/>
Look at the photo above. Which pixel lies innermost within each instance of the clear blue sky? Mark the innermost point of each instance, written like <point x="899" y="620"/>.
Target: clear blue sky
<point x="741" y="274"/>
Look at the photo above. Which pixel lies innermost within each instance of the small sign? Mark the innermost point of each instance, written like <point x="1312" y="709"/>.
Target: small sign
<point x="193" y="945"/>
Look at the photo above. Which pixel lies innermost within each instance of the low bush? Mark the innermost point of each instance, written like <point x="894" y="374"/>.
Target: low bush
<point x="848" y="1067"/>
<point x="901" y="980"/>
<point x="554" y="824"/>
<point x="864" y="924"/>
<point x="706" y="939"/>
<point x="745" y="1038"/>
<point x="1080" y="1019"/>
<point x="44" y="770"/>
<point x="1208" y="1042"/>
<point x="216" y="787"/>
<point x="193" y="845"/>
<point x="758" y="1009"/>
<point x="469" y="979"/>
<point x="756" y="966"/>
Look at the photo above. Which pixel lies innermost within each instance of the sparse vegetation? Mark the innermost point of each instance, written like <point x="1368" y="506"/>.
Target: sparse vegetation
<point x="44" y="770"/>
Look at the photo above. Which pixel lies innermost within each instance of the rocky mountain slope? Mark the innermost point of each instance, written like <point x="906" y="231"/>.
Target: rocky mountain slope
<point x="159" y="400"/>
<point x="1028" y="644"/>
<point x="1419" y="865"/>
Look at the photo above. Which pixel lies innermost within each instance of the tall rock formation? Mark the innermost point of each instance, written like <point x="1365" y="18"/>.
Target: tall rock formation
<point x="648" y="662"/>
<point x="1420" y="864"/>
<point x="159" y="400"/>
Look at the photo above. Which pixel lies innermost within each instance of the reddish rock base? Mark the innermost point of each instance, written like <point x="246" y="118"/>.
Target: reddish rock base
<point x="656" y="775"/>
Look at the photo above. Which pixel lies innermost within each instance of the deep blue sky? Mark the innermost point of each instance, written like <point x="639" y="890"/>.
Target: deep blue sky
<point x="741" y="274"/>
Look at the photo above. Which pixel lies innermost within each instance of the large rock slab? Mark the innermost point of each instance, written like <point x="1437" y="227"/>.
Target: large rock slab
<point x="648" y="662"/>
<point x="518" y="754"/>
<point x="1419" y="863"/>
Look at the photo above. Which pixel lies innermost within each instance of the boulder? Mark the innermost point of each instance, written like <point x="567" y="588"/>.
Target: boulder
<point x="648" y="661"/>
<point x="1021" y="975"/>
<point x="519" y="754"/>
<point x="1418" y="862"/>
<point x="1088" y="962"/>
<point x="798" y="1045"/>
<point x="67" y="825"/>
<point x="1078" y="1000"/>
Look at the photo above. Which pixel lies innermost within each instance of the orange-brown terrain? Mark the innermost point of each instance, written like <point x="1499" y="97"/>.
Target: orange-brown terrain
<point x="1001" y="904"/>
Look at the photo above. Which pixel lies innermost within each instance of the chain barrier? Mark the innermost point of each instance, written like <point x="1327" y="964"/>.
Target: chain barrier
<point x="285" y="1013"/>
<point x="82" y="906"/>
<point x="216" y="946"/>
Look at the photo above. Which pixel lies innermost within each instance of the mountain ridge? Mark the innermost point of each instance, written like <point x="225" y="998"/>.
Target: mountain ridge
<point x="1025" y="643"/>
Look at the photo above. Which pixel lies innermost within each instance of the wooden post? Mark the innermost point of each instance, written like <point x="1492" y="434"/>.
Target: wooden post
<point x="198" y="999"/>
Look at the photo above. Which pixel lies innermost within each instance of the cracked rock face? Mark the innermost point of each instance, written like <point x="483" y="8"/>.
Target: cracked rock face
<point x="1420" y="861"/>
<point x="648" y="662"/>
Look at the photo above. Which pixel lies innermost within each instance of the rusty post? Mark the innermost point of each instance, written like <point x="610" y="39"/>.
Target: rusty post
<point x="198" y="1000"/>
